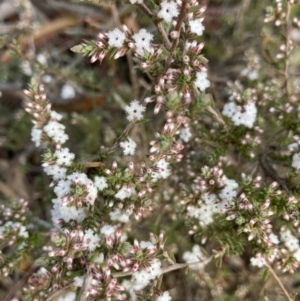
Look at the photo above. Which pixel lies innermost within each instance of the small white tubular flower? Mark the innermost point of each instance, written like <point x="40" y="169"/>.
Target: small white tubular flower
<point x="229" y="109"/>
<point x="118" y="215"/>
<point x="62" y="188"/>
<point x="91" y="240"/>
<point x="258" y="261"/>
<point x="125" y="192"/>
<point x="274" y="239"/>
<point x="64" y="157"/>
<point x="147" y="245"/>
<point x="67" y="92"/>
<point x="36" y="135"/>
<point x="201" y="81"/>
<point x="100" y="183"/>
<point x="246" y="118"/>
<point x="56" y="116"/>
<point x="107" y="230"/>
<point x="128" y="285"/>
<point x="290" y="241"/>
<point x="163" y="170"/>
<point x="185" y="134"/>
<point x="297" y="255"/>
<point x="70" y="296"/>
<point x="67" y="213"/>
<point x="56" y="172"/>
<point x="194" y="256"/>
<point x="116" y="38"/>
<point x="164" y="297"/>
<point x="249" y="116"/>
<point x="128" y="146"/>
<point x="56" y="131"/>
<point x="296" y="161"/>
<point x="229" y="191"/>
<point x="135" y="111"/>
<point x="168" y="11"/>
<point x="142" y="41"/>
<point x="196" y="27"/>
<point x="143" y="277"/>
<point x="136" y="1"/>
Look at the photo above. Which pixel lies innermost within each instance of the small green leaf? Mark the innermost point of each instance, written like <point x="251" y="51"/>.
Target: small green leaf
<point x="266" y="274"/>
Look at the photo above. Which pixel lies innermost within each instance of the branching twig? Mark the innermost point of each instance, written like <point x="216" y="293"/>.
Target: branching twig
<point x="86" y="283"/>
<point x="181" y="17"/>
<point x="279" y="282"/>
<point x="168" y="269"/>
<point x="124" y="134"/>
<point x="287" y="46"/>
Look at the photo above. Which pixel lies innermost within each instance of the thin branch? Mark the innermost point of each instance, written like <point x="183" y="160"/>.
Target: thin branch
<point x="177" y="266"/>
<point x="85" y="286"/>
<point x="287" y="46"/>
<point x="124" y="134"/>
<point x="20" y="283"/>
<point x="279" y="282"/>
<point x="184" y="7"/>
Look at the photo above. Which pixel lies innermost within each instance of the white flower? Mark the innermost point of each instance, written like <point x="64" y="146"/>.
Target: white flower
<point x="26" y="68"/>
<point x="274" y="239"/>
<point x="229" y="191"/>
<point x="135" y="111"/>
<point x="143" y="41"/>
<point x="136" y="1"/>
<point x="296" y="161"/>
<point x="196" y="27"/>
<point x="229" y="109"/>
<point x="56" y="131"/>
<point x="125" y="192"/>
<point x="56" y="172"/>
<point x="91" y="240"/>
<point x="55" y="116"/>
<point x="251" y="74"/>
<point x="168" y="11"/>
<point x="147" y="245"/>
<point x="246" y="118"/>
<point x="118" y="215"/>
<point x="194" y="256"/>
<point x="70" y="296"/>
<point x="36" y="135"/>
<point x="116" y="38"/>
<point x="143" y="277"/>
<point x="201" y="81"/>
<point x="297" y="255"/>
<point x="107" y="230"/>
<point x="128" y="285"/>
<point x="164" y="297"/>
<point x="128" y="146"/>
<point x="64" y="157"/>
<point x="62" y="188"/>
<point x="163" y="170"/>
<point x="258" y="261"/>
<point x="100" y="183"/>
<point x="185" y="134"/>
<point x="79" y="178"/>
<point x="67" y="213"/>
<point x="67" y="92"/>
<point x="41" y="59"/>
